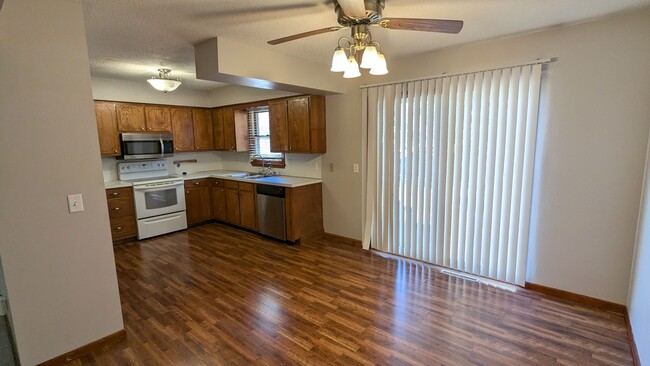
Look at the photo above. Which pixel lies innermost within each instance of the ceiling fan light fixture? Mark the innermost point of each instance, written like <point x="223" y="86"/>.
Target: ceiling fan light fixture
<point x="370" y="57"/>
<point x="380" y="66"/>
<point x="352" y="70"/>
<point x="339" y="60"/>
<point x="163" y="82"/>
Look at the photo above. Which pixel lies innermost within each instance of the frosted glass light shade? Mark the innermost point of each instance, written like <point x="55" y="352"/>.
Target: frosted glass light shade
<point x="352" y="69"/>
<point x="339" y="60"/>
<point x="380" y="66"/>
<point x="164" y="85"/>
<point x="369" y="59"/>
<point x="163" y="82"/>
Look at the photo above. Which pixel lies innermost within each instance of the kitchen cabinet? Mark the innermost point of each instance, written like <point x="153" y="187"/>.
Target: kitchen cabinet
<point x="183" y="129"/>
<point x="232" y="202"/>
<point x="247" y="205"/>
<point x="109" y="138"/>
<point x="158" y="118"/>
<point x="304" y="212"/>
<point x="202" y="125"/>
<point x="130" y="117"/>
<point x="230" y="129"/>
<point x="298" y="124"/>
<point x="197" y="200"/>
<point x="218" y="195"/>
<point x="121" y="213"/>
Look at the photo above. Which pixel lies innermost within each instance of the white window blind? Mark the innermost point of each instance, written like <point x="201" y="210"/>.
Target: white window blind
<point x="259" y="136"/>
<point x="449" y="165"/>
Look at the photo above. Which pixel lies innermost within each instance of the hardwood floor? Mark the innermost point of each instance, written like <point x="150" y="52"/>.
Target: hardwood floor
<point x="214" y="295"/>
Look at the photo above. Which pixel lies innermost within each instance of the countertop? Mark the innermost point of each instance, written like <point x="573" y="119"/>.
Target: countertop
<point x="277" y="180"/>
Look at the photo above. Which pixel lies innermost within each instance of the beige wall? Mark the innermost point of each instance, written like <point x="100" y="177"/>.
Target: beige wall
<point x="58" y="267"/>
<point x="593" y="133"/>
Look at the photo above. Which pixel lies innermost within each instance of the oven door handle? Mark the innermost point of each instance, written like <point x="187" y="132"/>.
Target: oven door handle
<point x="156" y="187"/>
<point x="162" y="147"/>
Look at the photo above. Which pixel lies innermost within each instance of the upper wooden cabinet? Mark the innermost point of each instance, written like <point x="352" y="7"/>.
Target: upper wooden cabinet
<point x="230" y="129"/>
<point x="130" y="117"/>
<point x="203" y="137"/>
<point x="109" y="138"/>
<point x="158" y="118"/>
<point x="298" y="124"/>
<point x="183" y="129"/>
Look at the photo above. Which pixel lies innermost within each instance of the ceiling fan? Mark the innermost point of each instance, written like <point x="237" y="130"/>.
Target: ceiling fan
<point x="359" y="15"/>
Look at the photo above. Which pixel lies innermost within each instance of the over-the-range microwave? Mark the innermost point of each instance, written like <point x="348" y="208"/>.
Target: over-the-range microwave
<point x="146" y="145"/>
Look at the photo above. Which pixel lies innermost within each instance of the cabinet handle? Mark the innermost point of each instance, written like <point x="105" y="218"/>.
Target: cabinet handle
<point x="196" y="183"/>
<point x="149" y="128"/>
<point x="118" y="228"/>
<point x="188" y="192"/>
<point x="115" y="193"/>
<point x="115" y="151"/>
<point x="142" y="128"/>
<point x="116" y="209"/>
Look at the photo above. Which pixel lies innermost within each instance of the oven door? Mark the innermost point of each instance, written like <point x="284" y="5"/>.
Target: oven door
<point x="158" y="198"/>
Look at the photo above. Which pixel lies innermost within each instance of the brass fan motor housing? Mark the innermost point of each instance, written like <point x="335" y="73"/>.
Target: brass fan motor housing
<point x="374" y="8"/>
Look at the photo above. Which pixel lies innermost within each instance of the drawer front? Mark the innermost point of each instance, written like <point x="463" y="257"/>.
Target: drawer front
<point x="123" y="227"/>
<point x="120" y="207"/>
<point x="246" y="186"/>
<point x="119" y="193"/>
<point x="203" y="182"/>
<point x="232" y="184"/>
<point x="220" y="183"/>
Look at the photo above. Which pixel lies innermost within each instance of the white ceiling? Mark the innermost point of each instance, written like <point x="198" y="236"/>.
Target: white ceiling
<point x="130" y="39"/>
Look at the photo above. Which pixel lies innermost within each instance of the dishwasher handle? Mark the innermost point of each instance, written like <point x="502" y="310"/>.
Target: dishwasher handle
<point x="268" y="190"/>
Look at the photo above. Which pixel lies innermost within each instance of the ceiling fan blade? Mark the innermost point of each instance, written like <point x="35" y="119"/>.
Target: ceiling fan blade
<point x="424" y="25"/>
<point x="353" y="8"/>
<point x="303" y="35"/>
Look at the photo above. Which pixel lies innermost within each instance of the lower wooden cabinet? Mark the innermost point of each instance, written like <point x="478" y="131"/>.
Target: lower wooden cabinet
<point x="197" y="200"/>
<point x="304" y="212"/>
<point x="218" y="199"/>
<point x="248" y="205"/>
<point x="232" y="202"/>
<point x="121" y="212"/>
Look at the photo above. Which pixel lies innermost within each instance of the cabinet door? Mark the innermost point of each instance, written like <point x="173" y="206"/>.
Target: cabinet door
<point x="197" y="202"/>
<point x="298" y="124"/>
<point x="158" y="117"/>
<point x="183" y="130"/>
<point x="219" y="203"/>
<point x="217" y="129"/>
<point x="130" y="117"/>
<point x="232" y="206"/>
<point x="230" y="139"/>
<point x="278" y="125"/>
<point x="248" y="209"/>
<point x="109" y="140"/>
<point x="203" y="139"/>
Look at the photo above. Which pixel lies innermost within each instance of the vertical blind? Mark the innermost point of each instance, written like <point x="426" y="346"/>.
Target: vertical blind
<point x="449" y="167"/>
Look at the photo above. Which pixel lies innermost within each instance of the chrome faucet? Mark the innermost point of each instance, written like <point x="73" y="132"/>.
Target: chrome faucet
<point x="266" y="171"/>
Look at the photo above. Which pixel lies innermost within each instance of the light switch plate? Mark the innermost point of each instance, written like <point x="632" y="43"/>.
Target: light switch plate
<point x="75" y="203"/>
<point x="355" y="168"/>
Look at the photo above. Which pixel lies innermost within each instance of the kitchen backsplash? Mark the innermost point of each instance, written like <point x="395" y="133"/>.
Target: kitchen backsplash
<point x="299" y="165"/>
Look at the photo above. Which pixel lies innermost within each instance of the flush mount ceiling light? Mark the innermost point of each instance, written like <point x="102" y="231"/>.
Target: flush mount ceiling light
<point x="163" y="82"/>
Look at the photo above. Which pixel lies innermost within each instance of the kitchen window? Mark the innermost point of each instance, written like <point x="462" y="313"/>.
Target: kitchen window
<point x="259" y="140"/>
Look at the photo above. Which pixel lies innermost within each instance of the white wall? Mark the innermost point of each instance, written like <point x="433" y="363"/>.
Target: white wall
<point x="639" y="298"/>
<point x="595" y="127"/>
<point x="142" y="92"/>
<point x="59" y="268"/>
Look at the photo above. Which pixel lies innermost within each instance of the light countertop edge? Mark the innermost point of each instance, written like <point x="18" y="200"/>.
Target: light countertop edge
<point x="278" y="180"/>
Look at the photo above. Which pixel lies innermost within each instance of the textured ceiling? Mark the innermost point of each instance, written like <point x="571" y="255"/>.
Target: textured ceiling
<point x="130" y="39"/>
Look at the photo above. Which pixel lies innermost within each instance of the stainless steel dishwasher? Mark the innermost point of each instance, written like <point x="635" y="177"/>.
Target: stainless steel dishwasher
<point x="270" y="211"/>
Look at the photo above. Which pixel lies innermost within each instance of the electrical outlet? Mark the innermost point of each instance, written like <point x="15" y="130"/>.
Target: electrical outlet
<point x="331" y="167"/>
<point x="355" y="168"/>
<point x="75" y="203"/>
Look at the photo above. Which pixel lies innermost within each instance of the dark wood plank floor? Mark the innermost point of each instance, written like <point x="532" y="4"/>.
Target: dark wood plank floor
<point x="214" y="295"/>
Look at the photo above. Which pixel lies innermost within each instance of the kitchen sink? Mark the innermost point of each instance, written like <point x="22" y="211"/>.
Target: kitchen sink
<point x="254" y="176"/>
